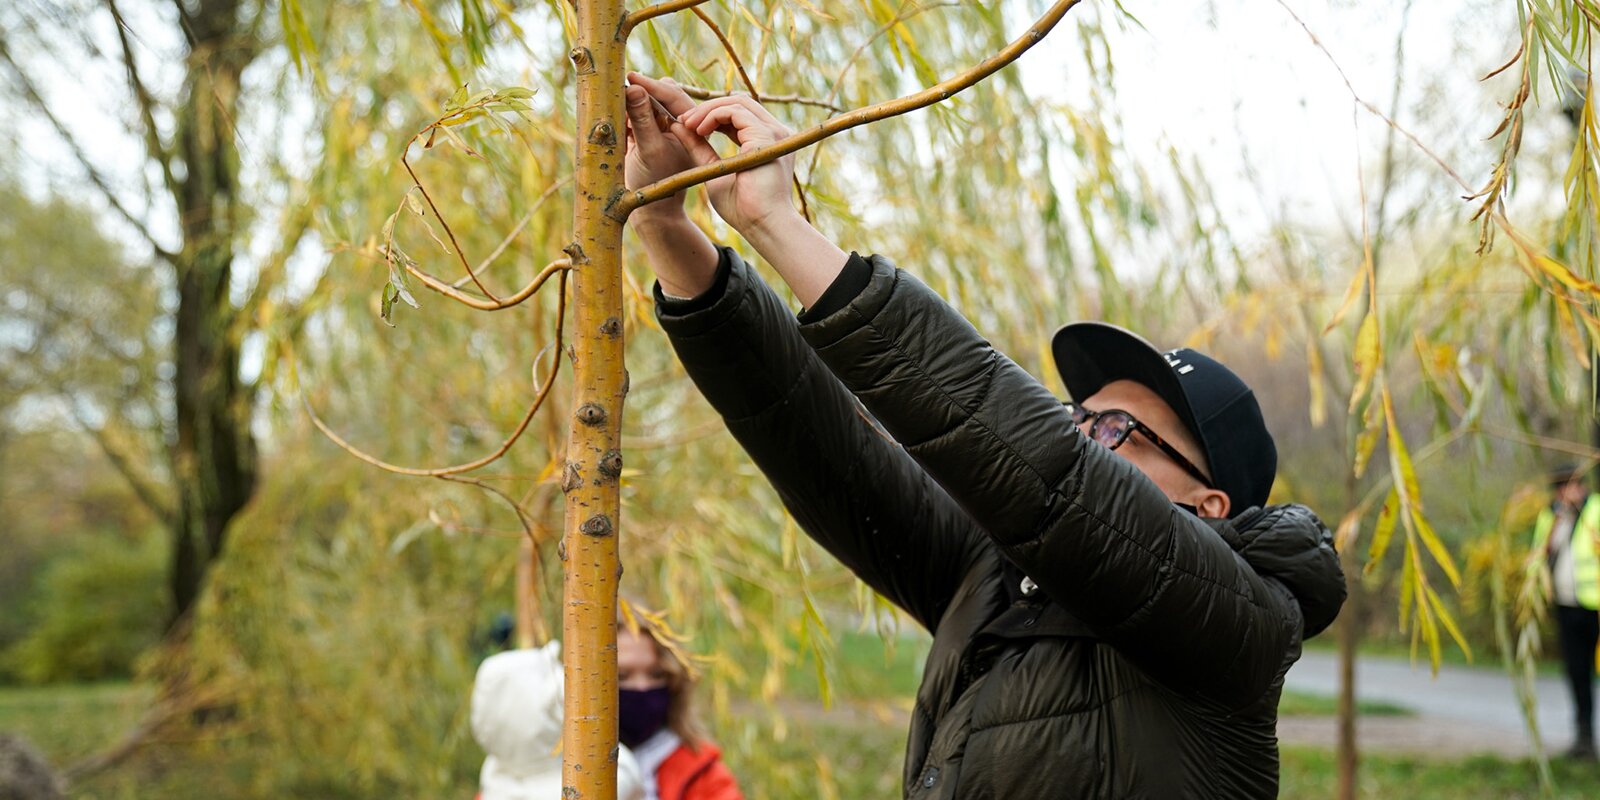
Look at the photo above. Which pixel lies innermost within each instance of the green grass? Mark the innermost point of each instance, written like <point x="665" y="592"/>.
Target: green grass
<point x="1309" y="773"/>
<point x="67" y="723"/>
<point x="1303" y="704"/>
<point x="860" y="753"/>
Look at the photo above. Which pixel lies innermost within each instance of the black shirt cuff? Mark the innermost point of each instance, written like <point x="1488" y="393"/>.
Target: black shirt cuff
<point x="682" y="307"/>
<point x="852" y="280"/>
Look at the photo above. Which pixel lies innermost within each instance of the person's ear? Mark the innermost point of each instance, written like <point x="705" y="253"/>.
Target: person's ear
<point x="1211" y="504"/>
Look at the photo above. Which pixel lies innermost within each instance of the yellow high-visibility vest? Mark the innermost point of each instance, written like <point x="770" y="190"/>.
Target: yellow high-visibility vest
<point x="1585" y="544"/>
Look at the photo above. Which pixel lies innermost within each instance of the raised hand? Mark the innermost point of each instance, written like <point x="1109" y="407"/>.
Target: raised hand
<point x="653" y="151"/>
<point x="746" y="200"/>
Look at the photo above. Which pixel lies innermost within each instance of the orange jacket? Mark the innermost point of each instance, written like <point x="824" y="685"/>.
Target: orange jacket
<point x="696" y="775"/>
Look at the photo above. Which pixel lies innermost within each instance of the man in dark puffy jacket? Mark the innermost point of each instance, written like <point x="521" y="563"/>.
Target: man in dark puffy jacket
<point x="1113" y="607"/>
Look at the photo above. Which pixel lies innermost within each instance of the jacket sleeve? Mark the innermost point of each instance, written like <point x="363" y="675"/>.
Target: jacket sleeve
<point x="852" y="488"/>
<point x="1097" y="536"/>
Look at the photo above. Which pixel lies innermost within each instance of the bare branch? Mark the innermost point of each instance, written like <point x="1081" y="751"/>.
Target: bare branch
<point x="701" y="93"/>
<point x="439" y="472"/>
<point x="727" y="47"/>
<point x="32" y="93"/>
<point x="145" y="101"/>
<point x="560" y="265"/>
<point x="447" y="230"/>
<point x="633" y="18"/>
<point x="459" y="115"/>
<point x="522" y="513"/>
<point x="516" y="230"/>
<point x="148" y="494"/>
<point x="1448" y="170"/>
<point x="628" y="201"/>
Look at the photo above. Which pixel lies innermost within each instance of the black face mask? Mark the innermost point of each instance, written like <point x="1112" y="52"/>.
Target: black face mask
<point x="1188" y="508"/>
<point x="641" y="713"/>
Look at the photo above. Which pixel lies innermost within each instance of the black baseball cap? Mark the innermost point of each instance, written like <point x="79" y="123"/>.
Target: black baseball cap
<point x="1213" y="403"/>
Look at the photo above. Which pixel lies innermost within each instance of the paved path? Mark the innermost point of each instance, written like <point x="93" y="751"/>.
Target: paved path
<point x="1463" y="710"/>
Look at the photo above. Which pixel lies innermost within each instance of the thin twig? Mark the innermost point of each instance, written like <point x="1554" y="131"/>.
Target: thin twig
<point x="850" y="63"/>
<point x="515" y="231"/>
<point x="559" y="265"/>
<point x="145" y="101"/>
<point x="627" y="202"/>
<point x="544" y="391"/>
<point x="727" y="47"/>
<point x="1448" y="170"/>
<point x="522" y="514"/>
<point x="82" y="157"/>
<point x="633" y="18"/>
<point x="702" y="93"/>
<point x="405" y="162"/>
<point x="750" y="86"/>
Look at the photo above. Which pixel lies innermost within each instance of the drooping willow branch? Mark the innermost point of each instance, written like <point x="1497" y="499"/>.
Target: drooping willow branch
<point x="459" y="110"/>
<point x="443" y="472"/>
<point x="850" y="63"/>
<point x="628" y="201"/>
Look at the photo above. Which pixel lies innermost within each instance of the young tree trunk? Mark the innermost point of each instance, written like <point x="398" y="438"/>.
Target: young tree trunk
<point x="594" y="456"/>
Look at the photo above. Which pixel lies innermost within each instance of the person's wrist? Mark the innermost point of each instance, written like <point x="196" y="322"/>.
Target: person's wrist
<point x="660" y="215"/>
<point x="773" y="226"/>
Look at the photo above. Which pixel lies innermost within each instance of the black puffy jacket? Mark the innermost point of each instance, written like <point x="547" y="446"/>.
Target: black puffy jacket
<point x="1149" y="659"/>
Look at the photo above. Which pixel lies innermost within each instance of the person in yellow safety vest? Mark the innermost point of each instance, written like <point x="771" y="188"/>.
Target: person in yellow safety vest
<point x="1567" y="533"/>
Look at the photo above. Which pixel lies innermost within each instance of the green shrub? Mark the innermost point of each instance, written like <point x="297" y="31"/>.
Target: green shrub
<point x="95" y="610"/>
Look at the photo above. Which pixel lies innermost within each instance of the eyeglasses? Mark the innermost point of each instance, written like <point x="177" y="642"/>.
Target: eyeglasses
<point x="1112" y="428"/>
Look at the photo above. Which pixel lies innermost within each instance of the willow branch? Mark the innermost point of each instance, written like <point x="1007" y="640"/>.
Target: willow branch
<point x="850" y="63"/>
<point x="440" y="472"/>
<point x="405" y="162"/>
<point x="516" y="231"/>
<point x="701" y="431"/>
<point x="560" y="265"/>
<point x="628" y="201"/>
<point x="727" y="47"/>
<point x="522" y="514"/>
<point x="647" y="13"/>
<point x="702" y="93"/>
<point x="148" y="493"/>
<point x="145" y="101"/>
<point x="1448" y="170"/>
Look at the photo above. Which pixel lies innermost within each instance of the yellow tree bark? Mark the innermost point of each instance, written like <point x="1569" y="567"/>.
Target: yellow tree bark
<point x="594" y="454"/>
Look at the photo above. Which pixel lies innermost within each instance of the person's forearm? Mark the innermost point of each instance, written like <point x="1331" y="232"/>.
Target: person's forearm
<point x="680" y="254"/>
<point x="808" y="261"/>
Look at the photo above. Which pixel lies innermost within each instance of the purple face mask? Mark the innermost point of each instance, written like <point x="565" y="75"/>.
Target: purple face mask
<point x="641" y="713"/>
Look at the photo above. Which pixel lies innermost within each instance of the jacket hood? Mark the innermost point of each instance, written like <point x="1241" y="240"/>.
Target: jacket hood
<point x="1290" y="543"/>
<point x="516" y="716"/>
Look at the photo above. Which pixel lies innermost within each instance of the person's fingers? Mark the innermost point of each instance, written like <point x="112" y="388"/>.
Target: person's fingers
<point x="739" y="118"/>
<point x="756" y="108"/>
<point x="749" y="130"/>
<point x="642" y="117"/>
<point x="699" y="149"/>
<point x="666" y="91"/>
